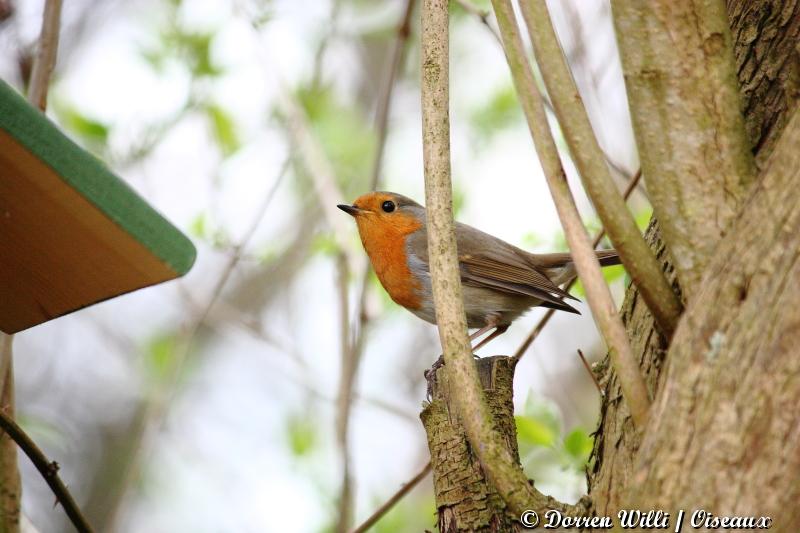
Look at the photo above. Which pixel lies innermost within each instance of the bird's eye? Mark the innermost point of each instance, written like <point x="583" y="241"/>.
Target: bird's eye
<point x="388" y="206"/>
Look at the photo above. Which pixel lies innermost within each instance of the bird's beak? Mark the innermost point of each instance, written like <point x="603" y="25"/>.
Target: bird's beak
<point x="350" y="209"/>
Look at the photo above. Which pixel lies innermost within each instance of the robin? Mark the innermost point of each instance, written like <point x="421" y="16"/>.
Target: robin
<point x="499" y="281"/>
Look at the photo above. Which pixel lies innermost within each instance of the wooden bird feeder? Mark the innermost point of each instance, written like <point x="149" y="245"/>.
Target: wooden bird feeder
<point x="71" y="233"/>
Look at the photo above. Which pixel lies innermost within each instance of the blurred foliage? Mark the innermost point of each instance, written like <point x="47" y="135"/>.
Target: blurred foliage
<point x="302" y="434"/>
<point x="324" y="243"/>
<point x="224" y="129"/>
<point x="457" y="11"/>
<point x="90" y="133"/>
<point x="499" y="111"/>
<point x="344" y="133"/>
<point x="160" y="356"/>
<point x="539" y="434"/>
<point x="213" y="234"/>
<point x="412" y="513"/>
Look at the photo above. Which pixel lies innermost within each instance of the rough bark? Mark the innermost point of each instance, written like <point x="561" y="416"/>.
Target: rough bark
<point x="465" y="499"/>
<point x="728" y="404"/>
<point x="616" y="440"/>
<point x="765" y="34"/>
<point x="679" y="69"/>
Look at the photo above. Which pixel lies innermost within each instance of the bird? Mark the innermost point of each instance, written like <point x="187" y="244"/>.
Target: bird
<point x="500" y="282"/>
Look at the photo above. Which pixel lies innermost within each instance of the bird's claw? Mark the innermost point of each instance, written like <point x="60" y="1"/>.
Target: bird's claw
<point x="430" y="375"/>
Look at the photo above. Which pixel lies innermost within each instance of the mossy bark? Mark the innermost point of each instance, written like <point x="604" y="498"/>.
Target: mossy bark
<point x="466" y="500"/>
<point x="765" y="34"/>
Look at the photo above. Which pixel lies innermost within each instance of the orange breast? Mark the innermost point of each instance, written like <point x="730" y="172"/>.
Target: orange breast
<point x="386" y="247"/>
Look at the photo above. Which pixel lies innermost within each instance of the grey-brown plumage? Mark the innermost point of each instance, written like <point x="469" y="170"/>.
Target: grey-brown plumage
<point x="499" y="280"/>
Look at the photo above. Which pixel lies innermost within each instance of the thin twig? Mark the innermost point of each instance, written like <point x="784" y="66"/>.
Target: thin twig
<point x="591" y="373"/>
<point x="43" y="63"/>
<point x="320" y="170"/>
<point x="385" y="101"/>
<point x="634" y="181"/>
<point x="353" y="344"/>
<point x="45" y="60"/>
<point x="322" y="47"/>
<point x="344" y="399"/>
<point x="483" y="17"/>
<point x="10" y="497"/>
<point x="639" y="260"/>
<point x="391" y="502"/>
<point x="48" y="469"/>
<point x="598" y="294"/>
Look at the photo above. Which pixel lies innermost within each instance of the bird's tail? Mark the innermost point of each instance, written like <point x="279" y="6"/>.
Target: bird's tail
<point x="560" y="268"/>
<point x="608" y="257"/>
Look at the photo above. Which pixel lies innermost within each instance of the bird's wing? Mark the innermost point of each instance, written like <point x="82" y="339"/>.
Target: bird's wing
<point x="481" y="270"/>
<point x="488" y="262"/>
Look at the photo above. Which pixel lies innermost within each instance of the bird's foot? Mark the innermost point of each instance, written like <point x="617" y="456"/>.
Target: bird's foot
<point x="430" y="375"/>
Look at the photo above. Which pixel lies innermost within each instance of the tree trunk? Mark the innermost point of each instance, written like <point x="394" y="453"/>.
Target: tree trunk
<point x="731" y="418"/>
<point x="465" y="499"/>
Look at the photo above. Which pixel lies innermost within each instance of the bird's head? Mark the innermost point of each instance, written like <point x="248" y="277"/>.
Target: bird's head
<point x="384" y="213"/>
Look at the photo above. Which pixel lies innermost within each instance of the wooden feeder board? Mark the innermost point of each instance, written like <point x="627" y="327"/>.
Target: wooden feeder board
<point x="71" y="233"/>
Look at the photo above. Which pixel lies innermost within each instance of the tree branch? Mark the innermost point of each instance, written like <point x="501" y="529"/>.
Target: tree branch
<point x="503" y="471"/>
<point x="10" y="495"/>
<point x="391" y="502"/>
<point x="680" y="76"/>
<point x="537" y="329"/>
<point x="385" y="101"/>
<point x="602" y="305"/>
<point x="45" y="60"/>
<point x="43" y="63"/>
<point x="482" y="16"/>
<point x="639" y="261"/>
<point x="48" y="469"/>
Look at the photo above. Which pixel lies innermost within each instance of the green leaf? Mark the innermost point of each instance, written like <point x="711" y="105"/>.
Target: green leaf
<point x="301" y="431"/>
<point x="224" y="129"/>
<point x="531" y="431"/>
<point x="91" y="132"/>
<point x="643" y="218"/>
<point x="199" y="227"/>
<point x="578" y="444"/>
<point x="159" y="355"/>
<point x="539" y="423"/>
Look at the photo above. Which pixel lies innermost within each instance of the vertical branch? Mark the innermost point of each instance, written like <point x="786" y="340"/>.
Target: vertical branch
<point x="344" y="398"/>
<point x="384" y="103"/>
<point x="45" y="60"/>
<point x="639" y="261"/>
<point x="470" y="404"/>
<point x="602" y="305"/>
<point x="10" y="486"/>
<point x="680" y="76"/>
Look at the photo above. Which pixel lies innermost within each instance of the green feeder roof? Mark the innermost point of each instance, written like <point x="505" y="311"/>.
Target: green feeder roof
<point x="71" y="232"/>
